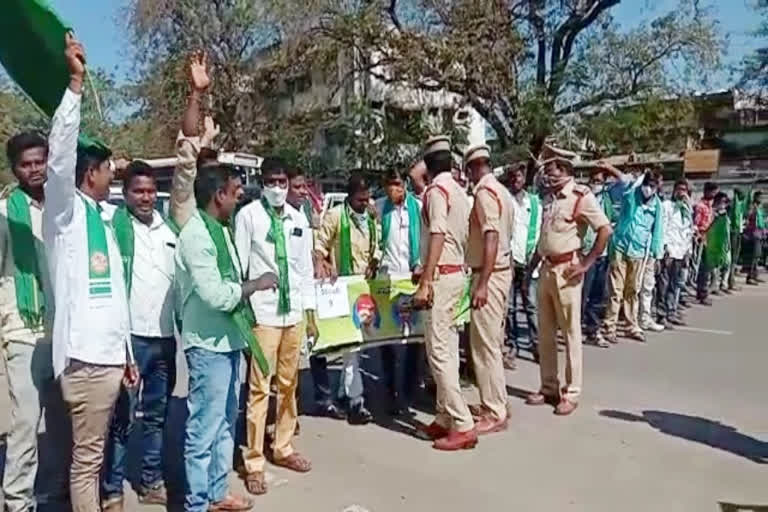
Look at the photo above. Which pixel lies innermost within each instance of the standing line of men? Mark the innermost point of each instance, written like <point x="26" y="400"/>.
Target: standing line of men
<point x="91" y="295"/>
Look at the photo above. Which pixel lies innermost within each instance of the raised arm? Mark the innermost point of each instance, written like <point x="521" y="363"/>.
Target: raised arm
<point x="62" y="142"/>
<point x="188" y="144"/>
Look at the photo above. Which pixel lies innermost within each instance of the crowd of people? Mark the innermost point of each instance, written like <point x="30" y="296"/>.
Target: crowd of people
<point x="93" y="294"/>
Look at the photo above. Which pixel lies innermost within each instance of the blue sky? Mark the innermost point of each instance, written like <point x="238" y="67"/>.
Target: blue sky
<point x="97" y="25"/>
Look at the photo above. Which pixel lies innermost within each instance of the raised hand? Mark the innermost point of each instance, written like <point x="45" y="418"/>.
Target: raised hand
<point x="75" y="55"/>
<point x="210" y="131"/>
<point x="198" y="72"/>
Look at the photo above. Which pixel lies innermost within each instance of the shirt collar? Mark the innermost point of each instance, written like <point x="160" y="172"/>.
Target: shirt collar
<point x="483" y="182"/>
<point x="567" y="189"/>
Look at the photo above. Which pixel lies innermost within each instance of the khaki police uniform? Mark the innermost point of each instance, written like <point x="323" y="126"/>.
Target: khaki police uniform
<point x="565" y="217"/>
<point x="445" y="211"/>
<point x="492" y="211"/>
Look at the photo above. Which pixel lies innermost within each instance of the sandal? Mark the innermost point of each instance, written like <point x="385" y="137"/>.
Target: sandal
<point x="231" y="503"/>
<point x="294" y="462"/>
<point x="255" y="483"/>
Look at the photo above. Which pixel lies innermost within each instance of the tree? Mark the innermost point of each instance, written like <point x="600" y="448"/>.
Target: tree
<point x="755" y="66"/>
<point x="521" y="64"/>
<point x="126" y="136"/>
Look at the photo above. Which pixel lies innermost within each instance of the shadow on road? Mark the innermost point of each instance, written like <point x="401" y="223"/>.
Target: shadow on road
<point x="733" y="507"/>
<point x="699" y="430"/>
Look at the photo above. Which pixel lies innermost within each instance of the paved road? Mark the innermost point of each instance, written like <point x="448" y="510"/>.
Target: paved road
<point x="677" y="424"/>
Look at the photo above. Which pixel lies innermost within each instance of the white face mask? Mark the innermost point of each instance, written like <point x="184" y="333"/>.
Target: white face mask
<point x="275" y="195"/>
<point x="598" y="188"/>
<point x="647" y="191"/>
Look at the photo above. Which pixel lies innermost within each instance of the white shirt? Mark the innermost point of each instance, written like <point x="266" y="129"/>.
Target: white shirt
<point x="257" y="255"/>
<point x="92" y="330"/>
<point x="397" y="253"/>
<point x="678" y="230"/>
<point x="152" y="281"/>
<point x="522" y="205"/>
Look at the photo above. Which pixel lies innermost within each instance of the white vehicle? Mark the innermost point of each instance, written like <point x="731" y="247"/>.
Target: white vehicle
<point x="332" y="199"/>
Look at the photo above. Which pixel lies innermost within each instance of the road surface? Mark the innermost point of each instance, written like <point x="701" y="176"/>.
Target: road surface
<point x="676" y="424"/>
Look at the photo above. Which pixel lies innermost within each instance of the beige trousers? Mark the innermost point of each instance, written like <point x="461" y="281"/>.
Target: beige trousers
<point x="442" y="344"/>
<point x="559" y="306"/>
<point x="486" y="340"/>
<point x="90" y="392"/>
<point x="623" y="287"/>
<point x="281" y="347"/>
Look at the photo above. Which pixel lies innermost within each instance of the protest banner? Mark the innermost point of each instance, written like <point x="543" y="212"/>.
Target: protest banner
<point x="354" y="312"/>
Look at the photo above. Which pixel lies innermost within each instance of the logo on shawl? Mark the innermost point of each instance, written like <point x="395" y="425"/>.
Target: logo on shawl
<point x="99" y="263"/>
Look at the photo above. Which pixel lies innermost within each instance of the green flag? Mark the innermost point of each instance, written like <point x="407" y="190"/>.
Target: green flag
<point x="32" y="50"/>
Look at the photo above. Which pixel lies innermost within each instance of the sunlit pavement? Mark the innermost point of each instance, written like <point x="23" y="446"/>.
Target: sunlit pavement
<point x="676" y="424"/>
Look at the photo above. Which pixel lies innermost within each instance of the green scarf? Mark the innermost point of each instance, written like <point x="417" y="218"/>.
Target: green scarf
<point x="345" y="240"/>
<point x="99" y="273"/>
<point x="122" y="223"/>
<point x="242" y="315"/>
<point x="760" y="218"/>
<point x="530" y="244"/>
<point x="30" y="300"/>
<point x="277" y="236"/>
<point x="414" y="227"/>
<point x="123" y="226"/>
<point x="718" y="241"/>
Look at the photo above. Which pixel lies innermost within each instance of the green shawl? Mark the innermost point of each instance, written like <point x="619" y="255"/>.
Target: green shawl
<point x="99" y="272"/>
<point x="718" y="242"/>
<point x="530" y="243"/>
<point x="345" y="240"/>
<point x="277" y="236"/>
<point x="414" y="227"/>
<point x="122" y="223"/>
<point x="30" y="299"/>
<point x="229" y="269"/>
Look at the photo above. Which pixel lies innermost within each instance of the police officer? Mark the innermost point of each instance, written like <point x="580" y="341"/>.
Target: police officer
<point x="443" y="237"/>
<point x="488" y="255"/>
<point x="567" y="210"/>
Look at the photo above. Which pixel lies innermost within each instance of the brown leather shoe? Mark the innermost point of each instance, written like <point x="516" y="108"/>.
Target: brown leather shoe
<point x="565" y="407"/>
<point x="434" y="430"/>
<point x="490" y="425"/>
<point x="232" y="503"/>
<point x="540" y="399"/>
<point x="457" y="441"/>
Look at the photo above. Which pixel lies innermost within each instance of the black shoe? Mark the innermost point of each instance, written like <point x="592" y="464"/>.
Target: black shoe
<point x="752" y="282"/>
<point x="359" y="415"/>
<point x="716" y="293"/>
<point x="705" y="302"/>
<point x="332" y="411"/>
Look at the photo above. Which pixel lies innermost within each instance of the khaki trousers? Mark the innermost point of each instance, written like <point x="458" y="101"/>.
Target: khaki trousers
<point x="90" y="392"/>
<point x="559" y="306"/>
<point x="624" y="286"/>
<point x="486" y="339"/>
<point x="442" y="344"/>
<point x="281" y="347"/>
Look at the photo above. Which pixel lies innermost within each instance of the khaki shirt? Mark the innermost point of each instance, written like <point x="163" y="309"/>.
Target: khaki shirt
<point x="328" y="241"/>
<point x="563" y="224"/>
<point x="183" y="203"/>
<point x="492" y="211"/>
<point x="440" y="217"/>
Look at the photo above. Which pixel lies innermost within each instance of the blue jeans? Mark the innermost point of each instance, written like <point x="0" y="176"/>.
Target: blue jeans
<point x="156" y="361"/>
<point x="351" y="392"/>
<point x="209" y="438"/>
<point x="524" y="287"/>
<point x="593" y="295"/>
